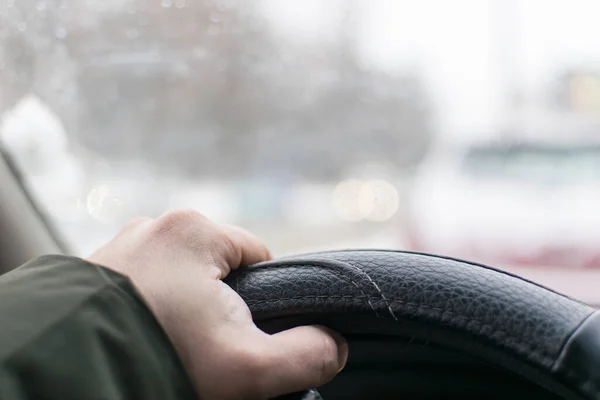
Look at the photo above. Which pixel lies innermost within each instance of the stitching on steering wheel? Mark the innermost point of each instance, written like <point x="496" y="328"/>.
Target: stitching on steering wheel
<point x="375" y="286"/>
<point x="449" y="258"/>
<point x="364" y="296"/>
<point x="339" y="266"/>
<point x="343" y="267"/>
<point x="529" y="351"/>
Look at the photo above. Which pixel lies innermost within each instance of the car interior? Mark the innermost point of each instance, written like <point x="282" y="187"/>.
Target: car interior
<point x="23" y="232"/>
<point x="429" y="132"/>
<point x="418" y="326"/>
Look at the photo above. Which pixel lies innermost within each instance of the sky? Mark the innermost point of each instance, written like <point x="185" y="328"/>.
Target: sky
<point x="470" y="52"/>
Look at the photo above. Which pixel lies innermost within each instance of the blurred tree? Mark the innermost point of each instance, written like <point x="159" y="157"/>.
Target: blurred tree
<point x="34" y="59"/>
<point x="335" y="113"/>
<point x="191" y="75"/>
<point x="203" y="87"/>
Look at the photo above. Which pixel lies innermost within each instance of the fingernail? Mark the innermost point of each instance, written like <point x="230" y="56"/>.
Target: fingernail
<point x="342" y="354"/>
<point x="342" y="345"/>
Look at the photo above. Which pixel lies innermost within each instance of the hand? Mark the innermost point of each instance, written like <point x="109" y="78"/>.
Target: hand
<point x="177" y="263"/>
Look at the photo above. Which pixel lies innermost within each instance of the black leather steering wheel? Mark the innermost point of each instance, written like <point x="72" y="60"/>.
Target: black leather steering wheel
<point x="424" y="326"/>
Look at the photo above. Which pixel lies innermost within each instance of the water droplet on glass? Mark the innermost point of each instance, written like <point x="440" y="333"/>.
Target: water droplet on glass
<point x="41" y="5"/>
<point x="214" y="17"/>
<point x="180" y="3"/>
<point x="60" y="33"/>
<point x="105" y="203"/>
<point x="167" y="3"/>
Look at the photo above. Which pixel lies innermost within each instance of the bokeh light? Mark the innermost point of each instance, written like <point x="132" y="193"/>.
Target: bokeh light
<point x="345" y="200"/>
<point x="356" y="200"/>
<point x="384" y="200"/>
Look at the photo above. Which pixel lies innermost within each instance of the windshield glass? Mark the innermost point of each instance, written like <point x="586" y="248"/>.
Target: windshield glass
<point x="559" y="165"/>
<point x="313" y="123"/>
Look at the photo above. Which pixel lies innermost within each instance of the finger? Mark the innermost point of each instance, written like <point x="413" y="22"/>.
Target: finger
<point x="246" y="248"/>
<point x="302" y="358"/>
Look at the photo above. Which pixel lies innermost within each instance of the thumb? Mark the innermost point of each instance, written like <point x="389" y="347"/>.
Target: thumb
<point x="303" y="358"/>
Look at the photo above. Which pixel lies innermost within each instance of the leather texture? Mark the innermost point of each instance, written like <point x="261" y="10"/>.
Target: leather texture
<point x="506" y="320"/>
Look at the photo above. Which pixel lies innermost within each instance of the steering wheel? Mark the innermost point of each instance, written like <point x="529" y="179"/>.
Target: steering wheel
<point x="424" y="326"/>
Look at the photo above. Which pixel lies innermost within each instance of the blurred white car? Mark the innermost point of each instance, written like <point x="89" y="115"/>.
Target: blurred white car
<point x="510" y="204"/>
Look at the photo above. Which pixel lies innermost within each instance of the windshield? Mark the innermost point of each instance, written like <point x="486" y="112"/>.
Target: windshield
<point x="313" y="123"/>
<point x="553" y="165"/>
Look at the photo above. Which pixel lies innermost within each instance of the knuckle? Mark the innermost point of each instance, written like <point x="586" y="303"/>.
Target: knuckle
<point x="185" y="214"/>
<point x="188" y="229"/>
<point x="228" y="245"/>
<point x="180" y="217"/>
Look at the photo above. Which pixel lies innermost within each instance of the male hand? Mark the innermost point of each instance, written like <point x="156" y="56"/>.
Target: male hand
<point x="177" y="262"/>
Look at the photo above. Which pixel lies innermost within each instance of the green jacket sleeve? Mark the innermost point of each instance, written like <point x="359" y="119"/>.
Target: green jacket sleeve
<point x="70" y="329"/>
